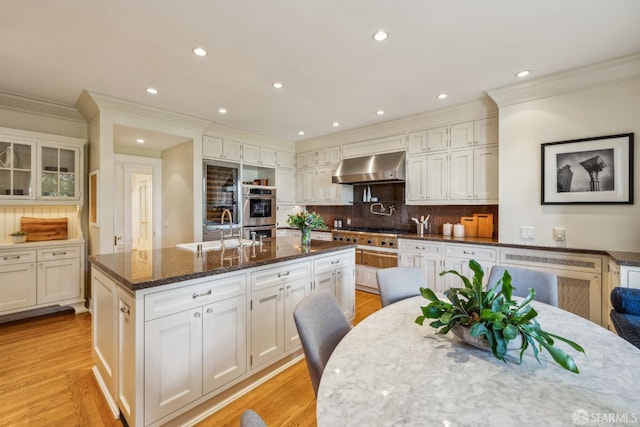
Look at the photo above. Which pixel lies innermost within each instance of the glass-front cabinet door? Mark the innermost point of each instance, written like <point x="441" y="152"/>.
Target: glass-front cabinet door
<point x="58" y="172"/>
<point x="17" y="161"/>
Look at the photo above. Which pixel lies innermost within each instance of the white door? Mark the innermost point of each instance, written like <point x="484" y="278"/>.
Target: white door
<point x="141" y="218"/>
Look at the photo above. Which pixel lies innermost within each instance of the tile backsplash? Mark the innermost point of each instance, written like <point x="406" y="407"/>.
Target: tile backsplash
<point x="393" y="195"/>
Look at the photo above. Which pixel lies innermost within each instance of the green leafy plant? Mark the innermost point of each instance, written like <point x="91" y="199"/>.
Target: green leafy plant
<point x="493" y="315"/>
<point x="18" y="233"/>
<point x="308" y="220"/>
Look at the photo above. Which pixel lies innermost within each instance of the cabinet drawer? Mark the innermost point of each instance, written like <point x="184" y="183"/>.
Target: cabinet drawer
<point x="338" y="260"/>
<point x="420" y="246"/>
<point x="58" y="253"/>
<point x="281" y="274"/>
<point x="17" y="257"/>
<point x="165" y="303"/>
<point x="478" y="253"/>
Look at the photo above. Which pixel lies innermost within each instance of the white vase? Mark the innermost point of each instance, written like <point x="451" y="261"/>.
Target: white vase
<point x="464" y="333"/>
<point x="18" y="239"/>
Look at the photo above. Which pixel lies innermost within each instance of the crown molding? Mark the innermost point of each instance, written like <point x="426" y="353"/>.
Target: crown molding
<point x="24" y="104"/>
<point x="576" y="79"/>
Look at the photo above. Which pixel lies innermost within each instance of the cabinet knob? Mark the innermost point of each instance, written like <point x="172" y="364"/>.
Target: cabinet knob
<point x="125" y="310"/>
<point x="209" y="310"/>
<point x="196" y="314"/>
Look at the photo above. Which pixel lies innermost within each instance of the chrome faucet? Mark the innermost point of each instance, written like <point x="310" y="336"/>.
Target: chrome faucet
<point x="224" y="212"/>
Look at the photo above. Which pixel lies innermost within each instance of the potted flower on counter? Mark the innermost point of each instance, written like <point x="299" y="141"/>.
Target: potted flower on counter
<point x="306" y="222"/>
<point x="18" y="236"/>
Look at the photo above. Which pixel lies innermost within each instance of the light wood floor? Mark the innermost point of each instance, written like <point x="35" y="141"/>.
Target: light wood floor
<point x="46" y="379"/>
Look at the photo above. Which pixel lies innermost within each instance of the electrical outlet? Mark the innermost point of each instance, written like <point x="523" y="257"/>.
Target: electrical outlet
<point x="558" y="234"/>
<point x="348" y="221"/>
<point x="527" y="232"/>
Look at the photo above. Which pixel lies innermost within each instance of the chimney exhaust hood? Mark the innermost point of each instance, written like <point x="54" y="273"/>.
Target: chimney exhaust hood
<point x="389" y="167"/>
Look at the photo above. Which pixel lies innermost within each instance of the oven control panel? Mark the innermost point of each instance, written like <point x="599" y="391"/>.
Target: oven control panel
<point x="379" y="240"/>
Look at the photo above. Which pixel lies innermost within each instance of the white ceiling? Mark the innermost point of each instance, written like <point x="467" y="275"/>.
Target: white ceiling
<point x="321" y="50"/>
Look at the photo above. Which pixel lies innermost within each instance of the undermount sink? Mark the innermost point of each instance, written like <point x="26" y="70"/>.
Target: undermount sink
<point x="215" y="245"/>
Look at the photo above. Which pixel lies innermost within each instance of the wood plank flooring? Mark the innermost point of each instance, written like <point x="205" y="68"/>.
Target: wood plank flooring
<point x="46" y="379"/>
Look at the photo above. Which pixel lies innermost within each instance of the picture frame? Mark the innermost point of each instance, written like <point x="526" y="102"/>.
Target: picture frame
<point x="590" y="171"/>
<point x="94" y="210"/>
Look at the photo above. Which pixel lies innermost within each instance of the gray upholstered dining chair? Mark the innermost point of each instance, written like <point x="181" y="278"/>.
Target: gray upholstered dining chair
<point x="398" y="283"/>
<point x="545" y="284"/>
<point x="321" y="325"/>
<point x="250" y="418"/>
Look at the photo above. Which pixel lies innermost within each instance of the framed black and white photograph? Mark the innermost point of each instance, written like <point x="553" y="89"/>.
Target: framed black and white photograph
<point x="588" y="171"/>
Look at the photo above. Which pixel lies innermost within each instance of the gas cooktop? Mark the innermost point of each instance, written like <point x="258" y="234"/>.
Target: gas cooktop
<point x="372" y="230"/>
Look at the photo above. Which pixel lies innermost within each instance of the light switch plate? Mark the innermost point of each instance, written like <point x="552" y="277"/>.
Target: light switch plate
<point x="527" y="232"/>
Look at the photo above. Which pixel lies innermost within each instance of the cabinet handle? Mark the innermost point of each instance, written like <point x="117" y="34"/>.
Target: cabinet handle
<point x="420" y="248"/>
<point x="281" y="289"/>
<point x="283" y="274"/>
<point x="335" y="262"/>
<point x="58" y="253"/>
<point x="209" y="310"/>
<point x="196" y="314"/>
<point x="7" y="258"/>
<point x="468" y="252"/>
<point x="125" y="310"/>
<point x="204" y="294"/>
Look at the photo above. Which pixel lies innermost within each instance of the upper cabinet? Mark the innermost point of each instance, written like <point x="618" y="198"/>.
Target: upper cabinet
<point x="260" y="156"/>
<point x="284" y="160"/>
<point x="325" y="157"/>
<point x="37" y="167"/>
<point x="223" y="149"/>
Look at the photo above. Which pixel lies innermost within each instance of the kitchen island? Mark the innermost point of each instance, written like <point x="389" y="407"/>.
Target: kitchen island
<point x="179" y="334"/>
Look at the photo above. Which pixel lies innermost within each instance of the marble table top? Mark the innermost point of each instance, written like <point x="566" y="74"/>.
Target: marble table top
<point x="389" y="371"/>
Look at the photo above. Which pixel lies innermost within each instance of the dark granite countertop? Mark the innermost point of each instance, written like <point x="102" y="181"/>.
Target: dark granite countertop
<point x="145" y="269"/>
<point x="627" y="259"/>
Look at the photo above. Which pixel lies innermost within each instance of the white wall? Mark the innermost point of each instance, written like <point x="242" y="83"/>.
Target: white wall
<point x="178" y="195"/>
<point x="606" y="109"/>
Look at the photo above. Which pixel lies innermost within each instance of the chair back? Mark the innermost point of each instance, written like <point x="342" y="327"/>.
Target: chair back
<point x="398" y="283"/>
<point x="545" y="284"/>
<point x="250" y="418"/>
<point x="321" y="325"/>
<point x="626" y="300"/>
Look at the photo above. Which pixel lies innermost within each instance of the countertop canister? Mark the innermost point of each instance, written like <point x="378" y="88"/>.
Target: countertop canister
<point x="446" y="229"/>
<point x="458" y="230"/>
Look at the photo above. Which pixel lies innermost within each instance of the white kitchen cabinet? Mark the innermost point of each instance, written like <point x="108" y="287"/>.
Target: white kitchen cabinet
<point x="285" y="184"/>
<point x="223" y="149"/>
<point x="17" y="279"/>
<point x="128" y="371"/>
<point x="461" y="183"/>
<point x="427" y="256"/>
<point x="461" y="135"/>
<point x="416" y="184"/>
<point x="336" y="272"/>
<point x="321" y="235"/>
<point x="58" y="274"/>
<point x="329" y="156"/>
<point x="224" y="340"/>
<point x="485" y="174"/>
<point x="284" y="160"/>
<point x="438" y="138"/>
<point x="387" y="144"/>
<point x="367" y="279"/>
<point x="457" y="257"/>
<point x="172" y="362"/>
<point x="256" y="155"/>
<point x="417" y="142"/>
<point x="314" y="186"/>
<point x="104" y="309"/>
<point x="38" y="167"/>
<point x="47" y="274"/>
<point x="485" y="131"/>
<point x="630" y="277"/>
<point x="275" y="293"/>
<point x="305" y="180"/>
<point x="306" y="160"/>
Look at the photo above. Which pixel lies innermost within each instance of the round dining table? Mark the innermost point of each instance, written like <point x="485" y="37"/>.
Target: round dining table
<point x="390" y="371"/>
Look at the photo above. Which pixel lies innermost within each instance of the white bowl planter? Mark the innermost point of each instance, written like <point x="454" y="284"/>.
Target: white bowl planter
<point x="19" y="239"/>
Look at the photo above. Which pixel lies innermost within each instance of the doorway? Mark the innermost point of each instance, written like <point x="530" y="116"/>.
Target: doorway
<point x="141" y="212"/>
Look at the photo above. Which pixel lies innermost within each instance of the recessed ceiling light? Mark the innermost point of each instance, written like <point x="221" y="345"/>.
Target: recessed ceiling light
<point x="380" y="112"/>
<point x="442" y="96"/>
<point x="335" y="124"/>
<point x="523" y="73"/>
<point x="277" y="85"/>
<point x="222" y="110"/>
<point x="380" y="35"/>
<point x="152" y="90"/>
<point x="199" y="51"/>
<point x="140" y="141"/>
<point x="300" y="132"/>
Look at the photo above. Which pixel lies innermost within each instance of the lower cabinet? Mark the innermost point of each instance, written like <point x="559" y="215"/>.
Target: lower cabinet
<point x="336" y="272"/>
<point x="275" y="293"/>
<point x="457" y="258"/>
<point x="38" y="276"/>
<point x="427" y="257"/>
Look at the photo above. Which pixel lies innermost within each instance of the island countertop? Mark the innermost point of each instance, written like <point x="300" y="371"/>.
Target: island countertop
<point x="145" y="269"/>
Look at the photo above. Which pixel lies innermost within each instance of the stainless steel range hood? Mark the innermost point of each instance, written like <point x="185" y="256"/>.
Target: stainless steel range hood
<point x="388" y="167"/>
